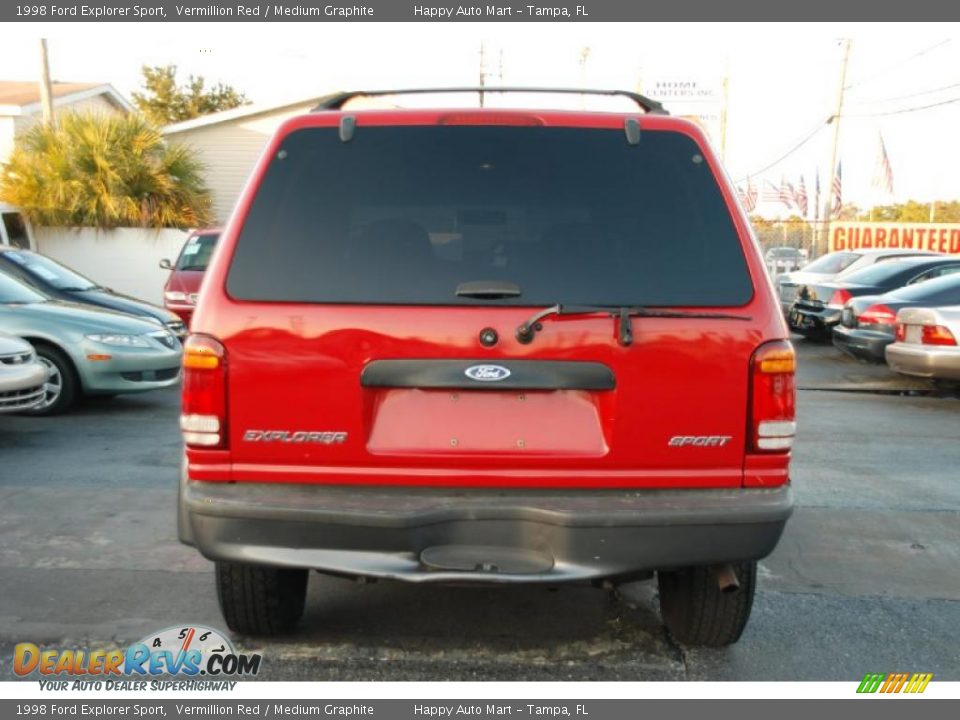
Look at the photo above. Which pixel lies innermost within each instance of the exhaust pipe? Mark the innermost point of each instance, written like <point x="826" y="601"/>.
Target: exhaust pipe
<point x="726" y="578"/>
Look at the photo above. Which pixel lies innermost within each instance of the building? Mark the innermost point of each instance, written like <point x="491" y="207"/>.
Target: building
<point x="20" y="106"/>
<point x="229" y="143"/>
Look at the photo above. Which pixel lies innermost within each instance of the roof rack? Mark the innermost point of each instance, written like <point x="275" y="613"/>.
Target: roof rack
<point x="338" y="100"/>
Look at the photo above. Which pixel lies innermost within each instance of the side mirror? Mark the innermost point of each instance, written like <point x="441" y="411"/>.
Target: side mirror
<point x="165" y="264"/>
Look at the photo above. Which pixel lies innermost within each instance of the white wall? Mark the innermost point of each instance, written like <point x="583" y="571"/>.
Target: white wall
<point x="125" y="259"/>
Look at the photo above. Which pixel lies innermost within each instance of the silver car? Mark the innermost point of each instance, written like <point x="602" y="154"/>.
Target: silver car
<point x="22" y="377"/>
<point x="928" y="343"/>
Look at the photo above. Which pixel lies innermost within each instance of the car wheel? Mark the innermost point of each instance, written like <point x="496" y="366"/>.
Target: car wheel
<point x="259" y="599"/>
<point x="62" y="385"/>
<point x="697" y="612"/>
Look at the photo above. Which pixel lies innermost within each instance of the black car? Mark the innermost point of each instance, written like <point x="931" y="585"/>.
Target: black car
<point x="818" y="307"/>
<point x="868" y="323"/>
<point x="61" y="283"/>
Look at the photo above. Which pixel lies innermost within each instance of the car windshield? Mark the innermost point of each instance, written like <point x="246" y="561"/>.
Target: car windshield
<point x="939" y="291"/>
<point x="196" y="253"/>
<point x="407" y="214"/>
<point x="15" y="292"/>
<point x="831" y="263"/>
<point x="49" y="271"/>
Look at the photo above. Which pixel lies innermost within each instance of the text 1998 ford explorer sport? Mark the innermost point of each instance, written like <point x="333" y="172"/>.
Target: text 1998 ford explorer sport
<point x="488" y="345"/>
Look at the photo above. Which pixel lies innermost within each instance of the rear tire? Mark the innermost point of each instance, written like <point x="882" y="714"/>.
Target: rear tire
<point x="259" y="599"/>
<point x="697" y="613"/>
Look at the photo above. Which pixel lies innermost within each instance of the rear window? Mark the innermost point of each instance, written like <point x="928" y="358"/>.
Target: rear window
<point x="832" y="263"/>
<point x="403" y="215"/>
<point x="938" y="292"/>
<point x="196" y="252"/>
<point x="881" y="272"/>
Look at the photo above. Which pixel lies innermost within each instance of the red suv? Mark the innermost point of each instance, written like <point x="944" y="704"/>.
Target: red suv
<point x="488" y="346"/>
<point x="183" y="286"/>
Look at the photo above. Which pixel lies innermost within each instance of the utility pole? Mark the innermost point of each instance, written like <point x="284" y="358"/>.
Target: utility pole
<point x="483" y="73"/>
<point x="46" y="94"/>
<point x="584" y="56"/>
<point x="835" y="119"/>
<point x="723" y="111"/>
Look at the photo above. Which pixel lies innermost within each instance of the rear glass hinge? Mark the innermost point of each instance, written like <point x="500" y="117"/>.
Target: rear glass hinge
<point x="348" y="124"/>
<point x="631" y="126"/>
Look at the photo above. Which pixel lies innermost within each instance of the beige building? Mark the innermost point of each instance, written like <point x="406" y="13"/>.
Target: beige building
<point x="20" y="106"/>
<point x="229" y="143"/>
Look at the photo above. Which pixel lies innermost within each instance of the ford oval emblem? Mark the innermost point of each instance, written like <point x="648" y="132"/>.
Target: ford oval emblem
<point x="487" y="373"/>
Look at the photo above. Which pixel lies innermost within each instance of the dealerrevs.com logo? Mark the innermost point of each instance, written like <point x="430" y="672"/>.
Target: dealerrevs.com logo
<point x="183" y="651"/>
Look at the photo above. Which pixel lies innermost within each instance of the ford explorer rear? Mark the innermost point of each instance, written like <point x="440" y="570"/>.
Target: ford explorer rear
<point x="488" y="346"/>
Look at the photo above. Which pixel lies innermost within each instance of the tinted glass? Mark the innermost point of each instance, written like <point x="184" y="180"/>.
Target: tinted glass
<point x="405" y="214"/>
<point x="14" y="291"/>
<point x="880" y="273"/>
<point x="46" y="270"/>
<point x="196" y="253"/>
<point x="939" y="292"/>
<point x="831" y="263"/>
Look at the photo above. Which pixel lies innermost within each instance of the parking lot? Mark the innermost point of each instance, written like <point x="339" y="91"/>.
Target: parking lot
<point x="865" y="578"/>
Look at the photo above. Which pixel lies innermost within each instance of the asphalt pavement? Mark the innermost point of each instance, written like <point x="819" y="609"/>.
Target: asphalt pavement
<point x="865" y="578"/>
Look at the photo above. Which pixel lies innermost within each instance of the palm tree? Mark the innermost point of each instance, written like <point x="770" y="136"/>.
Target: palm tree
<point x="104" y="171"/>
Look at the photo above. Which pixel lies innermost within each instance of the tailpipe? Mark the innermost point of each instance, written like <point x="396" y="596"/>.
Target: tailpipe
<point x="726" y="578"/>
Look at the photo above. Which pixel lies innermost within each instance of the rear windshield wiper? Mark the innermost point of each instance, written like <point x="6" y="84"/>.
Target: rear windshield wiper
<point x="527" y="331"/>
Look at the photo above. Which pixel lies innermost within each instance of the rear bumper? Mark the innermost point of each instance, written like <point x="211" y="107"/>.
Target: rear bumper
<point x="925" y="361"/>
<point x="444" y="535"/>
<point x="813" y="322"/>
<point x="862" y="344"/>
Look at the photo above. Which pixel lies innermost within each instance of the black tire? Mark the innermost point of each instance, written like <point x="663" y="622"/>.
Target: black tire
<point x="697" y="613"/>
<point x="63" y="387"/>
<point x="259" y="599"/>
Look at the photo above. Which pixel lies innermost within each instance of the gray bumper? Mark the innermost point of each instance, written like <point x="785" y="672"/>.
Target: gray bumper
<point x="925" y="360"/>
<point x="445" y="535"/>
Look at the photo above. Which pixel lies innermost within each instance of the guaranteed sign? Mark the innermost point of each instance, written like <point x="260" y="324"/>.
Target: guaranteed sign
<point x="937" y="237"/>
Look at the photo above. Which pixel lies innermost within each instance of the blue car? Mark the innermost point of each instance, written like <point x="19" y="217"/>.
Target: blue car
<point x="59" y="282"/>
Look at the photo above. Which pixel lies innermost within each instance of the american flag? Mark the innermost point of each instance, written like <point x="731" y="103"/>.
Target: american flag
<point x="788" y="196"/>
<point x="770" y="192"/>
<point x="802" y="198"/>
<point x="836" y="200"/>
<point x="751" y="196"/>
<point x="883" y="174"/>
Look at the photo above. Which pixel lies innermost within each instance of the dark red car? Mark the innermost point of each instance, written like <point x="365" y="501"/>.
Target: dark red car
<point x="488" y="346"/>
<point x="183" y="286"/>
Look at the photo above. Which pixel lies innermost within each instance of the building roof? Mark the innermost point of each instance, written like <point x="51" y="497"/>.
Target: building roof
<point x="244" y="111"/>
<point x="23" y="97"/>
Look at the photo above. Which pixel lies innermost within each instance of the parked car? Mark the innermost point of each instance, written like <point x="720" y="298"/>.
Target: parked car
<point x="183" y="286"/>
<point x="818" y="307"/>
<point x="453" y="345"/>
<point x="868" y="323"/>
<point x="832" y="265"/>
<point x="57" y="281"/>
<point x="21" y="375"/>
<point x="87" y="350"/>
<point x="783" y="259"/>
<point x="927" y="343"/>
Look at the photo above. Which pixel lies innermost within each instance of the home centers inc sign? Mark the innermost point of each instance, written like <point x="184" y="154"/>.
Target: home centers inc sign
<point x="935" y="237"/>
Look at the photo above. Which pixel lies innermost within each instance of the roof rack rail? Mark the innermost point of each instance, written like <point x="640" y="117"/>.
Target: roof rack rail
<point x="338" y="100"/>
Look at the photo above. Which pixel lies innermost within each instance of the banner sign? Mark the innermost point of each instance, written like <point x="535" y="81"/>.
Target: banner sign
<point x="936" y="237"/>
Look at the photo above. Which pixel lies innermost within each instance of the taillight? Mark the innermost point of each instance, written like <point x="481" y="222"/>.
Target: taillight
<point x="877" y="315"/>
<point x="487" y="117"/>
<point x="937" y="335"/>
<point x="203" y="416"/>
<point x="901" y="332"/>
<point x="839" y="297"/>
<point x="773" y="397"/>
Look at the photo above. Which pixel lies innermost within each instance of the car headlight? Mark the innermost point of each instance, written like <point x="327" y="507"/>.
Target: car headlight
<point x="119" y="340"/>
<point x="175" y="296"/>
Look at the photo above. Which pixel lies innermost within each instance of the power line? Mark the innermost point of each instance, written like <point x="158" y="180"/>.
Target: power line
<point x="897" y="64"/>
<point x="905" y="110"/>
<point x="910" y="95"/>
<point x="809" y="136"/>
